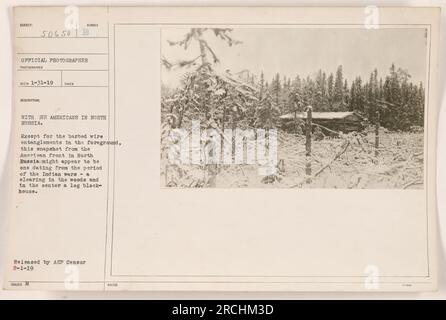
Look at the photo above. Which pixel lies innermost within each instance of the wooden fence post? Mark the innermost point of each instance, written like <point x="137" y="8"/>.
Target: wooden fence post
<point x="377" y="125"/>
<point x="308" y="142"/>
<point x="295" y="117"/>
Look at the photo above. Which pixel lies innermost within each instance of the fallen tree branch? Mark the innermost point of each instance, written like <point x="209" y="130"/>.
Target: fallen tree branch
<point x="347" y="143"/>
<point x="412" y="183"/>
<point x="325" y="128"/>
<point x="328" y="164"/>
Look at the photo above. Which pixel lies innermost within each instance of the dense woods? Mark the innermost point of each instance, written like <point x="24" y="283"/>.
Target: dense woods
<point x="399" y="101"/>
<point x="246" y="99"/>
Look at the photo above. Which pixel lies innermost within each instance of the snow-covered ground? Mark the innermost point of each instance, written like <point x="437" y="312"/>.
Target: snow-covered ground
<point x="344" y="162"/>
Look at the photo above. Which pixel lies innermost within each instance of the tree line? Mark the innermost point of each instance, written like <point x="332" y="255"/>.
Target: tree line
<point x="242" y="100"/>
<point x="399" y="102"/>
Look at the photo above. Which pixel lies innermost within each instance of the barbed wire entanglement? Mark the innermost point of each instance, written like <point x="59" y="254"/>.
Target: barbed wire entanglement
<point x="339" y="160"/>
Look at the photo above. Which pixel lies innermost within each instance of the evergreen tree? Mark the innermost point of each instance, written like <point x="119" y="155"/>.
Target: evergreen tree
<point x="276" y="89"/>
<point x="321" y="100"/>
<point x="338" y="93"/>
<point x="261" y="86"/>
<point x="330" y="91"/>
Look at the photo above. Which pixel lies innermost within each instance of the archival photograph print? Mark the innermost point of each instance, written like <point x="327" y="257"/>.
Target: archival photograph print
<point x="279" y="107"/>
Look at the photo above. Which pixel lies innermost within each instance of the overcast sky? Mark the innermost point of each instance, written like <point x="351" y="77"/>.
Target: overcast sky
<point x="303" y="52"/>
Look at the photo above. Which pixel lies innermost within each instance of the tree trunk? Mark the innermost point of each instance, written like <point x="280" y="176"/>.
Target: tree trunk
<point x="308" y="143"/>
<point x="203" y="54"/>
<point x="377" y="125"/>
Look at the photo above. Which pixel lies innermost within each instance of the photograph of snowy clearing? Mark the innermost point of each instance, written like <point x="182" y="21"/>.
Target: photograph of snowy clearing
<point x="293" y="107"/>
